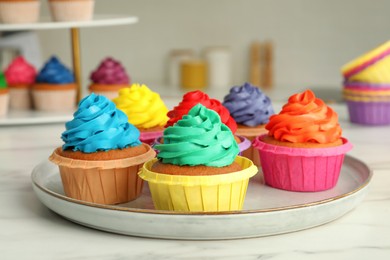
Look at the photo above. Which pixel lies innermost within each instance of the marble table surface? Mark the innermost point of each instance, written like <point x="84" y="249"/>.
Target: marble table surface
<point x="29" y="230"/>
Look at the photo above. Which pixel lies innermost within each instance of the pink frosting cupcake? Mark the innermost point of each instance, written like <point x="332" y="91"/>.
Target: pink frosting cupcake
<point x="109" y="78"/>
<point x="20" y="77"/>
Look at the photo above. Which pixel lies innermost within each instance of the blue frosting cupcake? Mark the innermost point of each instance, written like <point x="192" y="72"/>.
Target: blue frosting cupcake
<point x="102" y="154"/>
<point x="54" y="72"/>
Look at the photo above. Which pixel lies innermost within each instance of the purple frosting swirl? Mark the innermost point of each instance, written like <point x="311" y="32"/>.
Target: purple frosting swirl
<point x="110" y="72"/>
<point x="248" y="105"/>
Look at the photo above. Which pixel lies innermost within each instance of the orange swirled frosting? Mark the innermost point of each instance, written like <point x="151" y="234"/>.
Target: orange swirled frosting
<point x="305" y="119"/>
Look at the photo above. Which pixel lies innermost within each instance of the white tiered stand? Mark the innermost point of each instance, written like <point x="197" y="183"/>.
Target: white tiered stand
<point x="35" y="117"/>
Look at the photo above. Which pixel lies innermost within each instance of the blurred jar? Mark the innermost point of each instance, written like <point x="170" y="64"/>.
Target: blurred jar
<point x="193" y="74"/>
<point x="176" y="57"/>
<point x="219" y="62"/>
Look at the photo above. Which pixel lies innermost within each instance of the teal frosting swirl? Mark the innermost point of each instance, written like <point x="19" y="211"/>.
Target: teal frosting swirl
<point x="199" y="138"/>
<point x="99" y="126"/>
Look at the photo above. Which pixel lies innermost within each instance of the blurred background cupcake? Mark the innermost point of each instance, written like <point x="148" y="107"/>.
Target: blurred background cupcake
<point x="251" y="109"/>
<point x="145" y="110"/>
<point x="19" y="11"/>
<point x="55" y="87"/>
<point x="109" y="78"/>
<point x="4" y="96"/>
<point x="71" y="10"/>
<point x="367" y="87"/>
<point x="20" y="77"/>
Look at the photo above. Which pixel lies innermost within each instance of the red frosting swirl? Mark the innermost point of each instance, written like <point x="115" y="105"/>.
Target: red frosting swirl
<point x="20" y="72"/>
<point x="193" y="98"/>
<point x="305" y="119"/>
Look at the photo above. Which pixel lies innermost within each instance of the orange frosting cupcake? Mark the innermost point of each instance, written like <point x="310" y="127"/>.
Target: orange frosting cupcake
<point x="305" y="121"/>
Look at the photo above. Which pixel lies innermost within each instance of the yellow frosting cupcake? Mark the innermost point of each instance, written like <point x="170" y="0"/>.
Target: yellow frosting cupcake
<point x="145" y="110"/>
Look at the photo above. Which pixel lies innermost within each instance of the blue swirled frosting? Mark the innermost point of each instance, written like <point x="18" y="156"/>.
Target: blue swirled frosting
<point x="248" y="105"/>
<point x="99" y="126"/>
<point x="55" y="72"/>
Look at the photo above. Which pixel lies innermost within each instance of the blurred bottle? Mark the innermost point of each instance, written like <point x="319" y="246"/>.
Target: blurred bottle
<point x="193" y="74"/>
<point x="219" y="63"/>
<point x="175" y="58"/>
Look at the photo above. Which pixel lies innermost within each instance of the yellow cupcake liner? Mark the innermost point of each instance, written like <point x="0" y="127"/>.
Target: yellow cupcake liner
<point x="378" y="72"/>
<point x="366" y="98"/>
<point x="222" y="192"/>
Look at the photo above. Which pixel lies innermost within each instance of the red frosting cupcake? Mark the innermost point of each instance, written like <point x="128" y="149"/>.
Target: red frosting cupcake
<point x="20" y="77"/>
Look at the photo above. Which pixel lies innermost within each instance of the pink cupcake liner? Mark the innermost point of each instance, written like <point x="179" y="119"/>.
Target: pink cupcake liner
<point x="369" y="113"/>
<point x="150" y="137"/>
<point x="242" y="146"/>
<point x="301" y="169"/>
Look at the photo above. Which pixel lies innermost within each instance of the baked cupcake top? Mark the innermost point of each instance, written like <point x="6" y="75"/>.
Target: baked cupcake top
<point x="110" y="72"/>
<point x="199" y="138"/>
<point x="305" y="119"/>
<point x="54" y="72"/>
<point x="99" y="126"/>
<point x="144" y="108"/>
<point x="248" y="105"/>
<point x="20" y="72"/>
<point x="193" y="98"/>
<point x="3" y="81"/>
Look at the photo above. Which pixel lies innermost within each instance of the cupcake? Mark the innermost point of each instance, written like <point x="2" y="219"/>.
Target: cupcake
<point x="109" y="78"/>
<point x="55" y="89"/>
<point x="190" y="99"/>
<point x="251" y="109"/>
<point x="366" y="87"/>
<point x="20" y="77"/>
<point x="303" y="150"/>
<point x="197" y="168"/>
<point x="19" y="11"/>
<point x="145" y="110"/>
<point x="71" y="10"/>
<point x="4" y="96"/>
<point x="101" y="154"/>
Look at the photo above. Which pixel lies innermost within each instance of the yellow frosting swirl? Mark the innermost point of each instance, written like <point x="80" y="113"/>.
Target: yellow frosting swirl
<point x="143" y="107"/>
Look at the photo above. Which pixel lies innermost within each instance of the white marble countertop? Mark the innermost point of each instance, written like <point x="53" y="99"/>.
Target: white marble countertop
<point x="28" y="230"/>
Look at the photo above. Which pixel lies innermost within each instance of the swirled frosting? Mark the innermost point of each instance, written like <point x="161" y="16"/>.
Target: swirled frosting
<point x="193" y="98"/>
<point x="54" y="72"/>
<point x="248" y="105"/>
<point x="3" y="82"/>
<point x="110" y="72"/>
<point x="99" y="126"/>
<point x="20" y="72"/>
<point x="199" y="138"/>
<point x="305" y="119"/>
<point x="143" y="107"/>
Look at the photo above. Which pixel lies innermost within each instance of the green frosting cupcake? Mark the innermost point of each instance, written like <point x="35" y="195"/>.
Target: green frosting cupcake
<point x="3" y="82"/>
<point x="199" y="138"/>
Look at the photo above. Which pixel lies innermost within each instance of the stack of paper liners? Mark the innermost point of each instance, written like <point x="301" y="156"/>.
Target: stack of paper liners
<point x="102" y="182"/>
<point x="222" y="192"/>
<point x="366" y="87"/>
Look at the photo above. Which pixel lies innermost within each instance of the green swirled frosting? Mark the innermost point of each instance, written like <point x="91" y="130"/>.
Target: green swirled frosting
<point x="199" y="138"/>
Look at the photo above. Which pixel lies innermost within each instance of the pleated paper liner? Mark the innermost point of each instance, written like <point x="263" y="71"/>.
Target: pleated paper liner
<point x="17" y="12"/>
<point x="365" y="86"/>
<point x="104" y="182"/>
<point x="4" y="101"/>
<point x="150" y="137"/>
<point x="54" y="97"/>
<point x="251" y="133"/>
<point x="222" y="192"/>
<point x="301" y="169"/>
<point x="71" y="10"/>
<point x="370" y="67"/>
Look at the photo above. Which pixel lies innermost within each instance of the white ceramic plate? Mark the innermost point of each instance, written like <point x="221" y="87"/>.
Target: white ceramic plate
<point x="267" y="211"/>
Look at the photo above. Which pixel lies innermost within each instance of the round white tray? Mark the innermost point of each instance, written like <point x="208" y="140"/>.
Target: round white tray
<point x="46" y="23"/>
<point x="267" y="211"/>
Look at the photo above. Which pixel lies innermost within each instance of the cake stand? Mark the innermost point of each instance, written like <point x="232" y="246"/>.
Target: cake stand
<point x="74" y="28"/>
